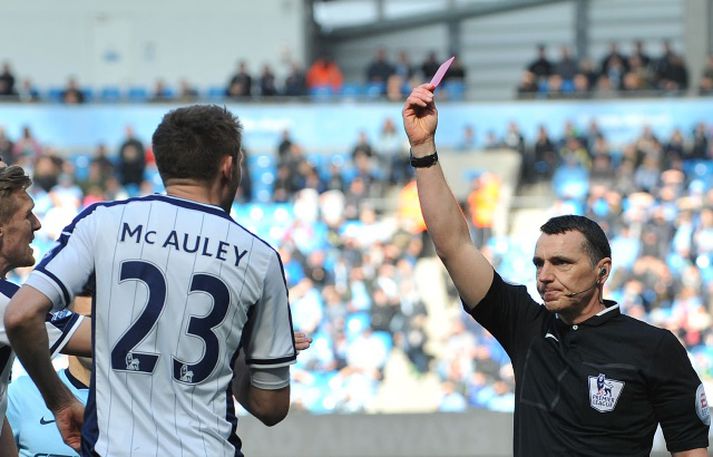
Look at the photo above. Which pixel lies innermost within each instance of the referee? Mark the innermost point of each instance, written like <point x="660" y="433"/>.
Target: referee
<point x="588" y="380"/>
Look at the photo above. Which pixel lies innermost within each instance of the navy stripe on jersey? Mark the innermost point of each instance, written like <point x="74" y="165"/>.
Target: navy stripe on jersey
<point x="65" y="292"/>
<point x="63" y="320"/>
<point x="5" y="355"/>
<point x="8" y="289"/>
<point x="230" y="416"/>
<point x="90" y="428"/>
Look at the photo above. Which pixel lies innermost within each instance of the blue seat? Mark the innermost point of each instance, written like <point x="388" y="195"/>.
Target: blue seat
<point x="54" y="94"/>
<point x="110" y="94"/>
<point x="351" y="90"/>
<point x="138" y="94"/>
<point x="375" y="90"/>
<point x="321" y="93"/>
<point x="215" y="93"/>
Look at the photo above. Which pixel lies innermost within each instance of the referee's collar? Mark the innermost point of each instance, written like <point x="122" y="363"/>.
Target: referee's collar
<point x="611" y="311"/>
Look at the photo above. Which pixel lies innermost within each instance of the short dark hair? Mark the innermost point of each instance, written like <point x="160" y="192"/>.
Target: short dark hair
<point x="189" y="141"/>
<point x="596" y="244"/>
<point x="12" y="179"/>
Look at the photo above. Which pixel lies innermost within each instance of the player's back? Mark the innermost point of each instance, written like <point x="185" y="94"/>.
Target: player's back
<point x="177" y="282"/>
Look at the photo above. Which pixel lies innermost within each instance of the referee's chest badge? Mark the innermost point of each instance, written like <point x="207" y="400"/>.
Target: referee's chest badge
<point x="604" y="392"/>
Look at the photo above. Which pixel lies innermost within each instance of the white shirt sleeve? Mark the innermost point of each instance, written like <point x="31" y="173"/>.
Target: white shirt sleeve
<point x="66" y="268"/>
<point x="270" y="341"/>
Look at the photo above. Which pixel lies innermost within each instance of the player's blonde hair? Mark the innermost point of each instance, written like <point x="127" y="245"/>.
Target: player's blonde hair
<point x="12" y="179"/>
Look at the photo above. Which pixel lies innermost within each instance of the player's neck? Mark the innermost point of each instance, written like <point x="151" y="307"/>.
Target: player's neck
<point x="192" y="190"/>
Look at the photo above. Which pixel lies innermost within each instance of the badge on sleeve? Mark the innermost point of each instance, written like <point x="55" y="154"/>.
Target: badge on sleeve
<point x="704" y="414"/>
<point x="604" y="392"/>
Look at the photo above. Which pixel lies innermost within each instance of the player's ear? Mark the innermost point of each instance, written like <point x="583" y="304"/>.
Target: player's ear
<point x="226" y="166"/>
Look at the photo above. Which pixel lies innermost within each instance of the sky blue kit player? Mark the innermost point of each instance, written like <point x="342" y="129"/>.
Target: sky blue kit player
<point x="33" y="425"/>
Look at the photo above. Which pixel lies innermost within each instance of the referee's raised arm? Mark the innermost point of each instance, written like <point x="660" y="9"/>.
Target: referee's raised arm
<point x="471" y="272"/>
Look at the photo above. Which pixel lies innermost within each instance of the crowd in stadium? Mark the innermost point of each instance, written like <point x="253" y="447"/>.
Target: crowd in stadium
<point x="383" y="77"/>
<point x="615" y="73"/>
<point x="351" y="261"/>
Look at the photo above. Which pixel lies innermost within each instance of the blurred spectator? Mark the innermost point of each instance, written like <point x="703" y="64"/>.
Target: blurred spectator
<point x="589" y="73"/>
<point x="380" y="69"/>
<point x="528" y="84"/>
<point x="430" y="66"/>
<point x="467" y="140"/>
<point x="6" y="145"/>
<point x="27" y="92"/>
<point x="324" y="72"/>
<point x="403" y="67"/>
<point x="456" y="72"/>
<point x="615" y="70"/>
<point x="641" y="54"/>
<point x="46" y="172"/>
<point x="638" y="77"/>
<point x="283" y="148"/>
<point x="100" y="159"/>
<point x="240" y="83"/>
<point x="7" y="81"/>
<point x="161" y="92"/>
<point x="544" y="154"/>
<point x="699" y="148"/>
<point x="483" y="201"/>
<point x="132" y="159"/>
<point x="541" y="67"/>
<point x="27" y="149"/>
<point x="186" y="92"/>
<point x="613" y="57"/>
<point x="296" y="82"/>
<point x="268" y="86"/>
<point x="72" y="94"/>
<point x="392" y="153"/>
<point x="670" y="70"/>
<point x="567" y="66"/>
<point x="706" y="85"/>
<point x="362" y="146"/>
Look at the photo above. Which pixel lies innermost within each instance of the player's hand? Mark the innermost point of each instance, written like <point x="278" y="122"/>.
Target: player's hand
<point x="302" y="341"/>
<point x="420" y="118"/>
<point x="69" y="422"/>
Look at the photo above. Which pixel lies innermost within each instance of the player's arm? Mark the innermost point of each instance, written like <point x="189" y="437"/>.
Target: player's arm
<point x="267" y="404"/>
<point x="7" y="441"/>
<point x="471" y="272"/>
<point x="25" y="324"/>
<point x="80" y="343"/>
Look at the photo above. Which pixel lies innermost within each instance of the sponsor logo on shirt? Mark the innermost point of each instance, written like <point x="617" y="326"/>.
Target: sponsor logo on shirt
<point x="604" y="392"/>
<point x="704" y="414"/>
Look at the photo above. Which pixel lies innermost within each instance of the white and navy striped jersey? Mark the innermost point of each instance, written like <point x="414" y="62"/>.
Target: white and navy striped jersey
<point x="180" y="288"/>
<point x="60" y="327"/>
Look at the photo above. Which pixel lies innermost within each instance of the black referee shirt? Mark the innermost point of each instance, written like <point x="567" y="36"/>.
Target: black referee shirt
<point x="598" y="388"/>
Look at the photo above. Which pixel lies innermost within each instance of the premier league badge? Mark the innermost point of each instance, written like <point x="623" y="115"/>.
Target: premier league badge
<point x="604" y="393"/>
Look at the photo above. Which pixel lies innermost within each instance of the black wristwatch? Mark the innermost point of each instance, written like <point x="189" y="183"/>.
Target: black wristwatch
<point x="424" y="162"/>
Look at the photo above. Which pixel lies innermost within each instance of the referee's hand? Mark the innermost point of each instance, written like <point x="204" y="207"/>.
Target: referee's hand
<point x="69" y="422"/>
<point x="420" y="118"/>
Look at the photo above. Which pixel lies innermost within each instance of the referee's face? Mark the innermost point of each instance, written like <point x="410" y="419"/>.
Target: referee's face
<point x="566" y="279"/>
